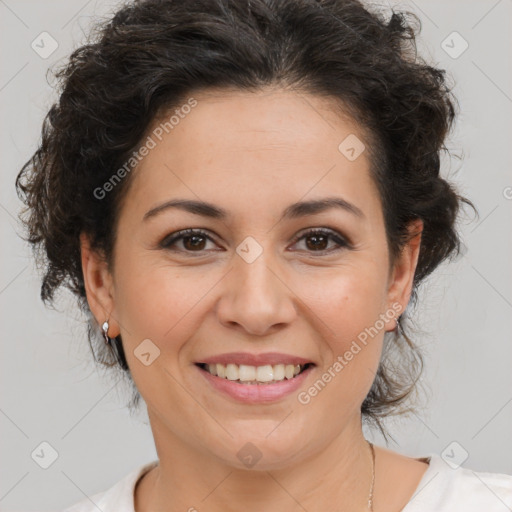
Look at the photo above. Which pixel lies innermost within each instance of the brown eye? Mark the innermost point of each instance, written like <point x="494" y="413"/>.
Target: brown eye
<point x="317" y="240"/>
<point x="193" y="240"/>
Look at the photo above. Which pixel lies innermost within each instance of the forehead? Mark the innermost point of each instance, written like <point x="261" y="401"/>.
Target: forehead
<point x="235" y="147"/>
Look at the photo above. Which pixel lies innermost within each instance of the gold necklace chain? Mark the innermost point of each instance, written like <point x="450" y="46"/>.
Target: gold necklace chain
<point x="370" y="497"/>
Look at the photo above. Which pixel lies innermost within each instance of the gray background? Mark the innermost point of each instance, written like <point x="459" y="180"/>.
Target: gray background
<point x="51" y="390"/>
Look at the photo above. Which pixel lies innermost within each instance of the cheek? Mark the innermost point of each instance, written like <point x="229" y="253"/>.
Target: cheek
<point x="159" y="301"/>
<point x="352" y="334"/>
<point x="148" y="300"/>
<point x="349" y="307"/>
<point x="346" y="300"/>
<point x="160" y="305"/>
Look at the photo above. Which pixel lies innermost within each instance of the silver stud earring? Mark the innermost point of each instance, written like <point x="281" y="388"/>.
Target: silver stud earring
<point x="105" y="332"/>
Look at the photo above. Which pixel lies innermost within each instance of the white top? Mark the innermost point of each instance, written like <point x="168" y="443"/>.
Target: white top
<point x="441" y="489"/>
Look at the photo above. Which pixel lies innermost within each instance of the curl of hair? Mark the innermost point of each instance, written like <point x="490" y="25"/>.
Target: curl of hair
<point x="153" y="54"/>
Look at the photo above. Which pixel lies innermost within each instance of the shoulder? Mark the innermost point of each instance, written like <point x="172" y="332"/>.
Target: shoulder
<point x="118" y="498"/>
<point x="447" y="489"/>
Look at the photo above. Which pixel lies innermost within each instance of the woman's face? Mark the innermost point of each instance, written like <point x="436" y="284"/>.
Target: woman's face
<point x="253" y="288"/>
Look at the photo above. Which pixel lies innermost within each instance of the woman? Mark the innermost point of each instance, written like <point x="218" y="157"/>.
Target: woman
<point x="246" y="196"/>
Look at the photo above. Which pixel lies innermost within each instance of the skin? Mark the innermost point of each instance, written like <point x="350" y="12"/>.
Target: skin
<point x="254" y="154"/>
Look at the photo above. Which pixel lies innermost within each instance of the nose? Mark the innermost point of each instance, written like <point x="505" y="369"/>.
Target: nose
<point x="256" y="298"/>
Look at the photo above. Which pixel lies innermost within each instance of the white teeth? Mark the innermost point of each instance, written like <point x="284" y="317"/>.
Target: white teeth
<point x="264" y="373"/>
<point x="279" y="373"/>
<point x="232" y="372"/>
<point x="246" y="373"/>
<point x="254" y="374"/>
<point x="221" y="370"/>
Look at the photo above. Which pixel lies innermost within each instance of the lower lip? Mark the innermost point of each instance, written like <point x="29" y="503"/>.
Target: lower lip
<point x="256" y="393"/>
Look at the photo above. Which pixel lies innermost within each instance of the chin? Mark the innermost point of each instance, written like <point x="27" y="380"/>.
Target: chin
<point x="263" y="451"/>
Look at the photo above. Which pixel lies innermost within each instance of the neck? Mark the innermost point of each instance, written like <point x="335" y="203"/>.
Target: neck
<point x="188" y="478"/>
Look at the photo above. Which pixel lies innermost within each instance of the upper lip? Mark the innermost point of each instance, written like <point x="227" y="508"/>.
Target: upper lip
<point x="246" y="358"/>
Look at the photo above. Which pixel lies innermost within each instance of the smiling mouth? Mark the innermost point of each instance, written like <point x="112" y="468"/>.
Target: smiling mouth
<point x="255" y="375"/>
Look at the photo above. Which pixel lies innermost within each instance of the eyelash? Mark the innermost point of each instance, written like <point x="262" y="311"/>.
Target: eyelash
<point x="170" y="240"/>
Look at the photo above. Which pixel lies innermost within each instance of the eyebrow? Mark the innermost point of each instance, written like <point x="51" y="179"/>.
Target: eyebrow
<point x="294" y="211"/>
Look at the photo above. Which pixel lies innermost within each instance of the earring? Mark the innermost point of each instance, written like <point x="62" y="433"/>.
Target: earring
<point x="116" y="346"/>
<point x="105" y="332"/>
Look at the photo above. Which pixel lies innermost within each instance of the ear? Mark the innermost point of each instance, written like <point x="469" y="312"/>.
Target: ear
<point x="99" y="286"/>
<point x="402" y="275"/>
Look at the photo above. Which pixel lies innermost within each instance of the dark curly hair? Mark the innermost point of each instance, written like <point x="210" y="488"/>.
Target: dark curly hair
<point x="141" y="64"/>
